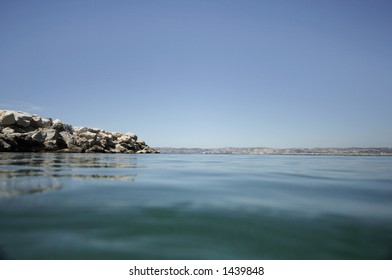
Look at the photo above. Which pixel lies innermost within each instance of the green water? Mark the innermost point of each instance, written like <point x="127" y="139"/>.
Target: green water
<point x="89" y="206"/>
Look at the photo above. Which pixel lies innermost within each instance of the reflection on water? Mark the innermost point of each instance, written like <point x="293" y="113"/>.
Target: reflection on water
<point x="21" y="186"/>
<point x="194" y="207"/>
<point x="27" y="173"/>
<point x="64" y="160"/>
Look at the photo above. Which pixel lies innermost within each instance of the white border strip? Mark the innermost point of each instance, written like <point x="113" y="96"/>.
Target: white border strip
<point x="97" y="270"/>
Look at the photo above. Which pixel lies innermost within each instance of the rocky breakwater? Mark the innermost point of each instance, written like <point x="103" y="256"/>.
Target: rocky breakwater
<point x="23" y="132"/>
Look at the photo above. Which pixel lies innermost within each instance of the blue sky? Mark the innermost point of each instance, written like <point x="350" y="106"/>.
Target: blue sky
<point x="204" y="73"/>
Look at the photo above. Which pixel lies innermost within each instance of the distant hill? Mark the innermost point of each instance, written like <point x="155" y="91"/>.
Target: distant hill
<point x="271" y="151"/>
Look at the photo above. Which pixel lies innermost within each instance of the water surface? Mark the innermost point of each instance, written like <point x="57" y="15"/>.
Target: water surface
<point x="94" y="206"/>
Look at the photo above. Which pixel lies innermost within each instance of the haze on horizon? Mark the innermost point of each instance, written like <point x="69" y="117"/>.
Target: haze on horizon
<point x="208" y="74"/>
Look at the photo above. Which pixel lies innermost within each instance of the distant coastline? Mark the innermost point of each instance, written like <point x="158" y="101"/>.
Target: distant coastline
<point x="272" y="151"/>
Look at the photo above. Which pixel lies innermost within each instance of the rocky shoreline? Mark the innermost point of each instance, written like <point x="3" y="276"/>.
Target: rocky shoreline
<point x="24" y="132"/>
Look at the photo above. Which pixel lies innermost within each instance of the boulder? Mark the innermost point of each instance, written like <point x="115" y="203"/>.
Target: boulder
<point x="105" y="136"/>
<point x="88" y="135"/>
<point x="7" y="117"/>
<point x="4" y="146"/>
<point x="124" y="139"/>
<point x="59" y="126"/>
<point x="51" y="136"/>
<point x="7" y="139"/>
<point x="8" y="130"/>
<point x="68" y="138"/>
<point x="132" y="135"/>
<point x="119" y="149"/>
<point x="22" y="119"/>
<point x="36" y="122"/>
<point x="96" y="149"/>
<point x="78" y="130"/>
<point x="129" y="147"/>
<point x="17" y="129"/>
<point x="93" y="142"/>
<point x="116" y="134"/>
<point x="46" y="122"/>
<point x="38" y="137"/>
<point x="107" y="144"/>
<point x="24" y="141"/>
<point x="94" y="130"/>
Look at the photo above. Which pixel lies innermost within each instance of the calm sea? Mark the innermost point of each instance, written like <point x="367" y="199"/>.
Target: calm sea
<point x="94" y="206"/>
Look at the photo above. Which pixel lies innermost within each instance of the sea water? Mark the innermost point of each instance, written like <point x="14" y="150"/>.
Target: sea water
<point x="100" y="206"/>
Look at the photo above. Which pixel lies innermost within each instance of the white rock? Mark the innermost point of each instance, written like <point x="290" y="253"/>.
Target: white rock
<point x="38" y="136"/>
<point x="23" y="119"/>
<point x="51" y="134"/>
<point x="120" y="148"/>
<point x="8" y="130"/>
<point x="88" y="135"/>
<point x="116" y="134"/>
<point x="68" y="138"/>
<point x="7" y="117"/>
<point x="105" y="136"/>
<point x="91" y="142"/>
<point x="124" y="139"/>
<point x="57" y="122"/>
<point x="46" y="122"/>
<point x="36" y="121"/>
<point x="80" y="129"/>
<point x="132" y="135"/>
<point x="94" y="130"/>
